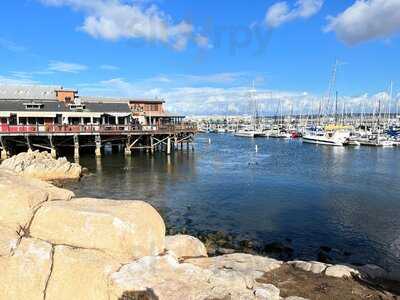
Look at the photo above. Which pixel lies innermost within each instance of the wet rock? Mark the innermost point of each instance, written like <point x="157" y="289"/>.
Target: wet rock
<point x="373" y="271"/>
<point x="279" y="249"/>
<point x="324" y="257"/>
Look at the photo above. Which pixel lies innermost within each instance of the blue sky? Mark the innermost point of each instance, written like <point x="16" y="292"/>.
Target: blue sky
<point x="203" y="56"/>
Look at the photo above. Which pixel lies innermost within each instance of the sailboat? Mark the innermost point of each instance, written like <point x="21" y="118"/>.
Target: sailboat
<point x="251" y="131"/>
<point x="332" y="136"/>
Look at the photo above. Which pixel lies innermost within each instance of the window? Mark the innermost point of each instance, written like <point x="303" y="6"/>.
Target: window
<point x="36" y="106"/>
<point x="77" y="107"/>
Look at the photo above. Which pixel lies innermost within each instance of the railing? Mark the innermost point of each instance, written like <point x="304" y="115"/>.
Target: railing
<point x="9" y="129"/>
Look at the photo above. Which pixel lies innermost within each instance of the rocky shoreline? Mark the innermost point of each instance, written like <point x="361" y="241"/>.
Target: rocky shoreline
<point x="42" y="165"/>
<point x="56" y="246"/>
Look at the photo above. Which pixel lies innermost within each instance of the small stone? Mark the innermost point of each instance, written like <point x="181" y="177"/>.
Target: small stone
<point x="340" y="271"/>
<point x="301" y="265"/>
<point x="223" y="251"/>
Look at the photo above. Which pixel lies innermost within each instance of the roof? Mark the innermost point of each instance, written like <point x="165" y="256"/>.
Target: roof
<point x="126" y="100"/>
<point x="27" y="92"/>
<point x="150" y="101"/>
<point x="56" y="106"/>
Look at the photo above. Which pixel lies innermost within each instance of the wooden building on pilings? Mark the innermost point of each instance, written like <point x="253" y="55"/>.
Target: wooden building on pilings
<point x="66" y="120"/>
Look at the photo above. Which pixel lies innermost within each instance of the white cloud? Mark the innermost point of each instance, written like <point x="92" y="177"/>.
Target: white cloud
<point x="116" y="19"/>
<point x="60" y="66"/>
<point x="281" y="12"/>
<point x="207" y="100"/>
<point x="366" y="20"/>
<point x="109" y="67"/>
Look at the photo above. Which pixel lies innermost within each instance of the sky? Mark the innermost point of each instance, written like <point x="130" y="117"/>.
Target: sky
<point x="203" y="57"/>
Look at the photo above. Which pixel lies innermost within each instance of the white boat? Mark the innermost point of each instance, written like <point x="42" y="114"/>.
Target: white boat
<point x="245" y="133"/>
<point x="336" y="138"/>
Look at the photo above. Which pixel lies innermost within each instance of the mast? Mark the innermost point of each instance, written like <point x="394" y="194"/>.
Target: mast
<point x="336" y="105"/>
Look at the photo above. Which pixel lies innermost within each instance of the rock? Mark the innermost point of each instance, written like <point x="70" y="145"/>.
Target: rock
<point x="184" y="246"/>
<point x="223" y="251"/>
<point x="42" y="165"/>
<point x="318" y="267"/>
<point x="313" y="266"/>
<point x="267" y="292"/>
<point x="252" y="265"/>
<point x="301" y="265"/>
<point x="24" y="275"/>
<point x="80" y="274"/>
<point x="340" y="271"/>
<point x="9" y="239"/>
<point x="373" y="271"/>
<point x="20" y="197"/>
<point x="125" y="230"/>
<point x="295" y="298"/>
<point x="163" y="277"/>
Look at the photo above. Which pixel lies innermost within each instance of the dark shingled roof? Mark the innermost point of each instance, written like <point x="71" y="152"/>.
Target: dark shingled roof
<point x="56" y="106"/>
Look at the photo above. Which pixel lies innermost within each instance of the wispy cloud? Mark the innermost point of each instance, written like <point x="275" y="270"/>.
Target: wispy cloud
<point x="366" y="20"/>
<point x="109" y="67"/>
<point x="116" y="19"/>
<point x="65" y="67"/>
<point x="10" y="45"/>
<point x="280" y="12"/>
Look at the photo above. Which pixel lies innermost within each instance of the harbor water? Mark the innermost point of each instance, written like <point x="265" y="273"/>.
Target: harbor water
<point x="341" y="198"/>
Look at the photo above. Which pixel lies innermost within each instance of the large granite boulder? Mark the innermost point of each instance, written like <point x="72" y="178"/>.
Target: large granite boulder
<point x="24" y="275"/>
<point x="125" y="230"/>
<point x="185" y="246"/>
<point x="163" y="277"/>
<point x="80" y="274"/>
<point x="20" y="197"/>
<point x="42" y="165"/>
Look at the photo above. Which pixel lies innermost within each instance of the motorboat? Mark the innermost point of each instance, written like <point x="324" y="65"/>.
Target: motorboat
<point x="334" y="138"/>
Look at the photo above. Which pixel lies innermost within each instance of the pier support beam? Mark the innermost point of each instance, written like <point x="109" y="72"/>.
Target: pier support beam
<point x="98" y="146"/>
<point x="4" y="153"/>
<point x="53" y="151"/>
<point x="76" y="146"/>
<point x="28" y="143"/>
<point x="128" y="151"/>
<point x="152" y="144"/>
<point x="169" y="146"/>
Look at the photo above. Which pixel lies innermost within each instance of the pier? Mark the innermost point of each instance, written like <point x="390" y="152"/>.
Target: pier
<point x="69" y="121"/>
<point x="165" y="138"/>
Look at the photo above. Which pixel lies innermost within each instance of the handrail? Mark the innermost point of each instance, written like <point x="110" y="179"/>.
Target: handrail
<point x="93" y="128"/>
